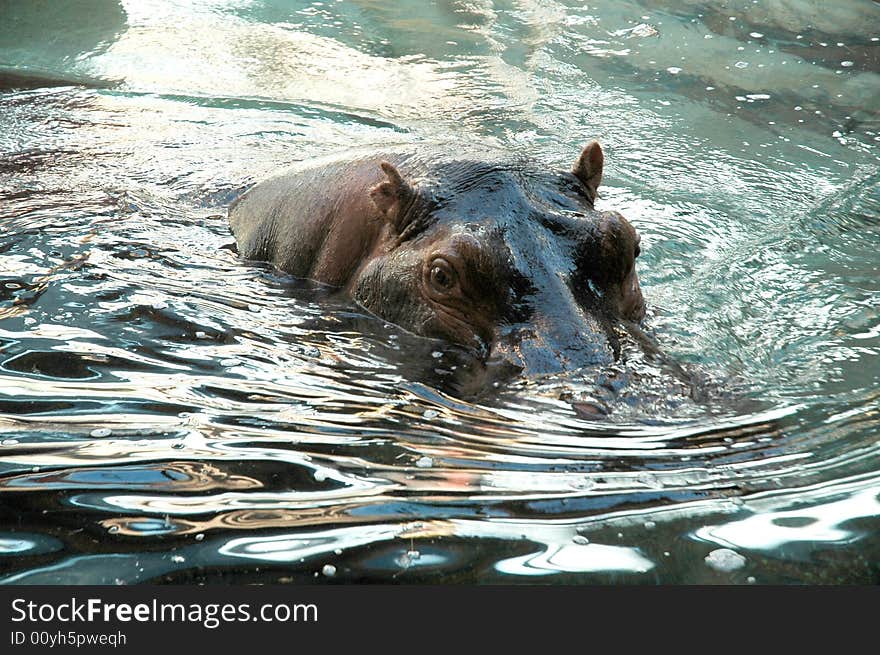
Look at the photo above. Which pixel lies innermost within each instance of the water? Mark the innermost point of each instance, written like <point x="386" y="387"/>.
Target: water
<point x="169" y="413"/>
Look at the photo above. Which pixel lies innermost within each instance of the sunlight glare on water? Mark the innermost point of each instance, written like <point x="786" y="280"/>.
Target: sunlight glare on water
<point x="170" y="412"/>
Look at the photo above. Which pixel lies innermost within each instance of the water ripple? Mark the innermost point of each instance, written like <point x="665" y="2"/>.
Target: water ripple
<point x="171" y="413"/>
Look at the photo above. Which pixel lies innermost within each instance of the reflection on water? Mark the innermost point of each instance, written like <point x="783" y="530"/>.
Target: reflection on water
<point x="169" y="412"/>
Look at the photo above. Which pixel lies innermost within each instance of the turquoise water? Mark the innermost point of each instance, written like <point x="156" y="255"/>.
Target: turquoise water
<point x="169" y="412"/>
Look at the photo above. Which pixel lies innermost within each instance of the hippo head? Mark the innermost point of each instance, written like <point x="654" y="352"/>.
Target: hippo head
<point x="505" y="259"/>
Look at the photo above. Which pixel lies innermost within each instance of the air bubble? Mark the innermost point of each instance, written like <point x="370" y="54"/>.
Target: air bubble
<point x="329" y="570"/>
<point x="424" y="462"/>
<point x="101" y="432"/>
<point x="725" y="559"/>
<point x="580" y="540"/>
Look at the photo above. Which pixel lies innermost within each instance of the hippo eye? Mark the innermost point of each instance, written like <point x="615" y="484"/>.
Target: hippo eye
<point x="442" y="275"/>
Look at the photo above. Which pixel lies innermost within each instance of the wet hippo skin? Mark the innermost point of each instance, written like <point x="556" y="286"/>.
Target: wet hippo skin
<point x="497" y="253"/>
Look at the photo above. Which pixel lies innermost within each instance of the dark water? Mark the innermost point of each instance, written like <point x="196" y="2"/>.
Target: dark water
<point x="171" y="413"/>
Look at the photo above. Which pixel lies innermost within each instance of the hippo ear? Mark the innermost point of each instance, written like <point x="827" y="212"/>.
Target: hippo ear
<point x="588" y="167"/>
<point x="388" y="196"/>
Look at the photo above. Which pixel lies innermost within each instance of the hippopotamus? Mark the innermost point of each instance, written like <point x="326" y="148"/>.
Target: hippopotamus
<point x="496" y="253"/>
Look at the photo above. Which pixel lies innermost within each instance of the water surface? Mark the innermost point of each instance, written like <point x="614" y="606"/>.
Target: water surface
<point x="171" y="413"/>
